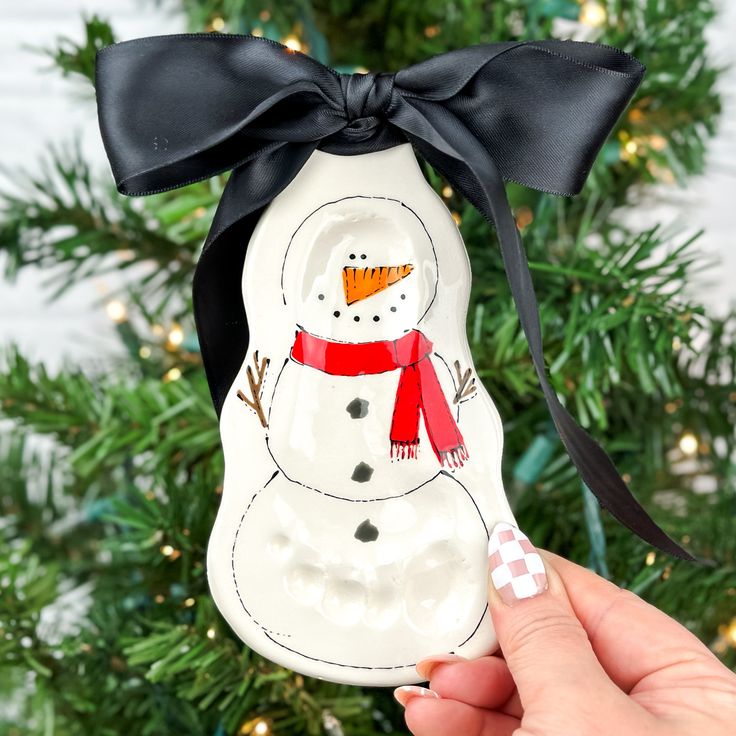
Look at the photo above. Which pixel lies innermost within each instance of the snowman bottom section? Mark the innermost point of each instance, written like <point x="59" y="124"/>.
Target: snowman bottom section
<point x="365" y="584"/>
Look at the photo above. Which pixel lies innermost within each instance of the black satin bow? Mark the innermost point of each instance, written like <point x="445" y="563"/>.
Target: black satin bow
<point x="177" y="109"/>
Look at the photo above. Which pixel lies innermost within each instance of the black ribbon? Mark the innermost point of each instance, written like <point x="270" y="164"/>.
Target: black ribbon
<point x="181" y="108"/>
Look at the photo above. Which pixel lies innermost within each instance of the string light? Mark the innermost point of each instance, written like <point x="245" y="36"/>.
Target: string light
<point x="160" y="598"/>
<point x="116" y="311"/>
<point x="189" y="602"/>
<point x="676" y="343"/>
<point x="257" y="32"/>
<point x="651" y="558"/>
<point x="457" y="218"/>
<point x="261" y="728"/>
<point x="292" y="43"/>
<point x="173" y="374"/>
<point x="658" y="142"/>
<point x="144" y="352"/>
<point x="432" y="31"/>
<point x="726" y="638"/>
<point x="217" y="23"/>
<point x="176" y="336"/>
<point x="211" y="633"/>
<point x="524" y="217"/>
<point x="731" y="633"/>
<point x="447" y="191"/>
<point x="167" y="550"/>
<point x="688" y="443"/>
<point x="592" y="14"/>
<point x="255" y="727"/>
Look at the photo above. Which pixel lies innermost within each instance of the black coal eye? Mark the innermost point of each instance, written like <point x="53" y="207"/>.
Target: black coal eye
<point x="320" y="297"/>
<point x="363" y="256"/>
<point x="376" y="318"/>
<point x="403" y="296"/>
<point x="337" y="314"/>
<point x="352" y="256"/>
<point x="356" y="318"/>
<point x="393" y="309"/>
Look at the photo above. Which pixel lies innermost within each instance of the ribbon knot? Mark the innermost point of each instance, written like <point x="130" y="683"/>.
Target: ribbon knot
<point x="178" y="109"/>
<point x="367" y="98"/>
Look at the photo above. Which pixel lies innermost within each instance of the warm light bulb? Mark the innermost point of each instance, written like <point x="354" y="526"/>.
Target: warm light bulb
<point x="173" y="374"/>
<point x="292" y="43"/>
<point x="211" y="633"/>
<point x="176" y="336"/>
<point x="651" y="558"/>
<point x="631" y="147"/>
<point x="116" y="311"/>
<point x="658" y="142"/>
<point x="145" y="352"/>
<point x="217" y="23"/>
<point x="261" y="728"/>
<point x="731" y="633"/>
<point x="592" y="14"/>
<point x="688" y="443"/>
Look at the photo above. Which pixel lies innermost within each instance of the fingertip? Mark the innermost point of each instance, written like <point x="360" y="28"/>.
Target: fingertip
<point x="406" y="693"/>
<point x="428" y="717"/>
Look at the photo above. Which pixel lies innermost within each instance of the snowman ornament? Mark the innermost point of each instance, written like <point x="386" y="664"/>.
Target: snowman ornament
<point x="362" y="454"/>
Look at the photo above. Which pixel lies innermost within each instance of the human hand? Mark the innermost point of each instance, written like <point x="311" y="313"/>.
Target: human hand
<point x="580" y="656"/>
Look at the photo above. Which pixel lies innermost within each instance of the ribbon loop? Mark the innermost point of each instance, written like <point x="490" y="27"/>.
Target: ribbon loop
<point x="177" y="109"/>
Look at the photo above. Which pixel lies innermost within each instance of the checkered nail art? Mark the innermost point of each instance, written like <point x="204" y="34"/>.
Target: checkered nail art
<point x="517" y="570"/>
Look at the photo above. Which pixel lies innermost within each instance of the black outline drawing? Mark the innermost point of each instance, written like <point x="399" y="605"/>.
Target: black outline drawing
<point x="268" y="632"/>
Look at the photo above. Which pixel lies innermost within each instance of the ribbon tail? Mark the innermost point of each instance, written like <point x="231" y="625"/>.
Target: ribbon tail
<point x="219" y="312"/>
<point x="447" y="144"/>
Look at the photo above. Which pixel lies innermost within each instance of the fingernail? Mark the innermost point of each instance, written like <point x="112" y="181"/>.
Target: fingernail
<point x="517" y="570"/>
<point x="426" y="665"/>
<point x="406" y="692"/>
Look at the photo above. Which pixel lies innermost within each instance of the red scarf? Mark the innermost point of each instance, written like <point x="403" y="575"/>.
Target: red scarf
<point x="419" y="388"/>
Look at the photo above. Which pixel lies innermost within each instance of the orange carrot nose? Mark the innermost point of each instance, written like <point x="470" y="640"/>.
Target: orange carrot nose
<point x="360" y="283"/>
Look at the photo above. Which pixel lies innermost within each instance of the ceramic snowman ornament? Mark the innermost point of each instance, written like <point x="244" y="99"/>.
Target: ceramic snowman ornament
<point x="362" y="454"/>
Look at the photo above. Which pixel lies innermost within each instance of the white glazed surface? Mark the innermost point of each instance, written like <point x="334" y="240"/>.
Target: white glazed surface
<point x="287" y="563"/>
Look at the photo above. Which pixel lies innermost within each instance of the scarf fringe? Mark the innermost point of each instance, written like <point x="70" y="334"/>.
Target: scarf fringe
<point x="454" y="458"/>
<point x="403" y="450"/>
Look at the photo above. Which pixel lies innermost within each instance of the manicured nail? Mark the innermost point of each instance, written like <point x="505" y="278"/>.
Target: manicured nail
<point x="517" y="570"/>
<point x="406" y="692"/>
<point x="426" y="666"/>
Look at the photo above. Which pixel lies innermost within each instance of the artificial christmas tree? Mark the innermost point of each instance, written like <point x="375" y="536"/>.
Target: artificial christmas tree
<point x="119" y="512"/>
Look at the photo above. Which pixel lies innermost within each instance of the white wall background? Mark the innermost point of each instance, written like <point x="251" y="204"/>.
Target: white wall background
<point x="37" y="107"/>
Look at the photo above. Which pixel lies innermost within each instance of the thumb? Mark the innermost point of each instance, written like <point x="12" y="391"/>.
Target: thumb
<point x="545" y="646"/>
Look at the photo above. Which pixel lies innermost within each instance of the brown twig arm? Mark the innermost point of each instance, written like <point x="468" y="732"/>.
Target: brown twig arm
<point x="465" y="384"/>
<point x="255" y="383"/>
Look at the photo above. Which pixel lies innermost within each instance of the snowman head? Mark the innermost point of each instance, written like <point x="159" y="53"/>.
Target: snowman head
<point x="359" y="270"/>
